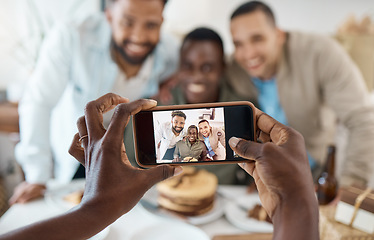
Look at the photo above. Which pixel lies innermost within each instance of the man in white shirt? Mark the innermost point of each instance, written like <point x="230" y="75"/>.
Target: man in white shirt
<point x="122" y="52"/>
<point x="168" y="134"/>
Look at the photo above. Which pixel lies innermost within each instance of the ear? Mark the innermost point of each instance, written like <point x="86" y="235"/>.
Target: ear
<point x="281" y="36"/>
<point x="108" y="15"/>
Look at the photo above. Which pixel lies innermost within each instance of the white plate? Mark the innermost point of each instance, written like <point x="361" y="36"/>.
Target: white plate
<point x="55" y="198"/>
<point x="215" y="213"/>
<point x="167" y="230"/>
<point x="238" y="216"/>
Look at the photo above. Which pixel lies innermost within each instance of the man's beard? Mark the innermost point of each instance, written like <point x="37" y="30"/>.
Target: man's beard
<point x="126" y="57"/>
<point x="177" y="131"/>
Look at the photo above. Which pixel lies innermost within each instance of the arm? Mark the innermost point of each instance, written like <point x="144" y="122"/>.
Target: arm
<point x="158" y="136"/>
<point x="176" y="154"/>
<point x="204" y="152"/>
<point x="43" y="91"/>
<point x="345" y="92"/>
<point x="282" y="175"/>
<point x="105" y="160"/>
<point x="222" y="138"/>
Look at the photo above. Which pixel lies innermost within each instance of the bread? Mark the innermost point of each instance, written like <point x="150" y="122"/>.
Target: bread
<point x="259" y="213"/>
<point x="74" y="197"/>
<point x="190" y="193"/>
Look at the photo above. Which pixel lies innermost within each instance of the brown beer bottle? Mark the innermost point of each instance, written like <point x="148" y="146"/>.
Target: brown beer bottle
<point x="327" y="185"/>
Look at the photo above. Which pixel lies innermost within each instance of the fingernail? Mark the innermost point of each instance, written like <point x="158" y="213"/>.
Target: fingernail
<point x="234" y="141"/>
<point x="152" y="101"/>
<point x="177" y="171"/>
<point x="242" y="165"/>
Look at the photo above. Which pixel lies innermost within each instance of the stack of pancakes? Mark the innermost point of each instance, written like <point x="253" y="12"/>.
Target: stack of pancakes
<point x="190" y="193"/>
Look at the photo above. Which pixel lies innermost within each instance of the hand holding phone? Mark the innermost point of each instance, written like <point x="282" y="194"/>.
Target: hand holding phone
<point x="194" y="134"/>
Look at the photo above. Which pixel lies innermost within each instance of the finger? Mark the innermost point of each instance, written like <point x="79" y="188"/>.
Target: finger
<point x="30" y="195"/>
<point x="82" y="130"/>
<point x="248" y="167"/>
<point x="246" y="149"/>
<point x="94" y="113"/>
<point x="278" y="132"/>
<point x="122" y="115"/>
<point x="160" y="173"/>
<point x="264" y="137"/>
<point x="76" y="149"/>
<point x="14" y="198"/>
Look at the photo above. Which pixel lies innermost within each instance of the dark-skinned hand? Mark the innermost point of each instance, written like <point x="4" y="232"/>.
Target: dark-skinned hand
<point x="280" y="168"/>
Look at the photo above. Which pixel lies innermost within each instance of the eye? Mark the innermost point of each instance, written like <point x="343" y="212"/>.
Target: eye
<point x="126" y="22"/>
<point x="151" y="26"/>
<point x="186" y="66"/>
<point x="257" y="38"/>
<point x="237" y="44"/>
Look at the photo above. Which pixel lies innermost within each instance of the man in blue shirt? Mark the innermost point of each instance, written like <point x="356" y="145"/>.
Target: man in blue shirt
<point x="306" y="81"/>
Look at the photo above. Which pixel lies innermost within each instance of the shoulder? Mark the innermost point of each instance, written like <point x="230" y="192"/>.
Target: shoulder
<point x="93" y="29"/>
<point x="167" y="48"/>
<point x="217" y="131"/>
<point x="165" y="125"/>
<point x="180" y="143"/>
<point x="311" y="43"/>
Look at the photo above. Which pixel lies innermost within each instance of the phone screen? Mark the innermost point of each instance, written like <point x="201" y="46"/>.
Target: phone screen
<point x="194" y="135"/>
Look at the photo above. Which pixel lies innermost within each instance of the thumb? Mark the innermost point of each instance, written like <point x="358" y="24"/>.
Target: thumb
<point x="163" y="172"/>
<point x="246" y="149"/>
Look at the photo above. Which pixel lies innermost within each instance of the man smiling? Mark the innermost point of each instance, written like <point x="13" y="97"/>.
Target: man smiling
<point x="306" y="81"/>
<point x="122" y="51"/>
<point x="168" y="134"/>
<point x="190" y="149"/>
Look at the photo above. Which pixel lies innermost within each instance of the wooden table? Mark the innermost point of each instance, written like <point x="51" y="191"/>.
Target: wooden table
<point x="9" y="117"/>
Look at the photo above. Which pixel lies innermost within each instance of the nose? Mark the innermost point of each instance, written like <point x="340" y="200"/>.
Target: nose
<point x="196" y="75"/>
<point x="248" y="52"/>
<point x="138" y="34"/>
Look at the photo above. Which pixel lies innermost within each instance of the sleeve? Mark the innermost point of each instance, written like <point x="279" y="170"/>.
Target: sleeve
<point x="158" y="134"/>
<point x="43" y="91"/>
<point x="204" y="152"/>
<point x="170" y="53"/>
<point x="221" y="137"/>
<point x="176" y="151"/>
<point x="344" y="90"/>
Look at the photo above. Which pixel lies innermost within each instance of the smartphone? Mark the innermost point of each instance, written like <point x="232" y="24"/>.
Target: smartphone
<point x="192" y="134"/>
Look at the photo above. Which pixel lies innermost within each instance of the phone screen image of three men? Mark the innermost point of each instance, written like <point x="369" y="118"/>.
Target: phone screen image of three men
<point x="189" y="135"/>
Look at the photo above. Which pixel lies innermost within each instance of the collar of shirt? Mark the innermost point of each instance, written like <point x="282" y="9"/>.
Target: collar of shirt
<point x="268" y="99"/>
<point x="189" y="144"/>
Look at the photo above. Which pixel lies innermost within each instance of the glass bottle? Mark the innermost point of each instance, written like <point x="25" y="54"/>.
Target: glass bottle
<point x="327" y="185"/>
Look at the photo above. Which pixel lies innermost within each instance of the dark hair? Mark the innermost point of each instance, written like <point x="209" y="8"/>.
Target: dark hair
<point x="253" y="6"/>
<point x="178" y="113"/>
<point x="204" y="120"/>
<point x="192" y="126"/>
<point x="109" y="2"/>
<point x="204" y="34"/>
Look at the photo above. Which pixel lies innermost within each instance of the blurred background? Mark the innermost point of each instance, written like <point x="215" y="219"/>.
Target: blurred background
<point x="25" y="23"/>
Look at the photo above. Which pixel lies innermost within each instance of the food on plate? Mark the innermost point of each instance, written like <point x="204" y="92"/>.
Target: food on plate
<point x="189" y="159"/>
<point x="191" y="193"/>
<point x="259" y="213"/>
<point x="74" y="197"/>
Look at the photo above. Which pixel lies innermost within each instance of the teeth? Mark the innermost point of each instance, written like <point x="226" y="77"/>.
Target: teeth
<point x="135" y="48"/>
<point x="196" y="88"/>
<point x="253" y="62"/>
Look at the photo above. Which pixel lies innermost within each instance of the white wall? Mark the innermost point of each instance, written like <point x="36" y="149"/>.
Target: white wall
<point x="323" y="16"/>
